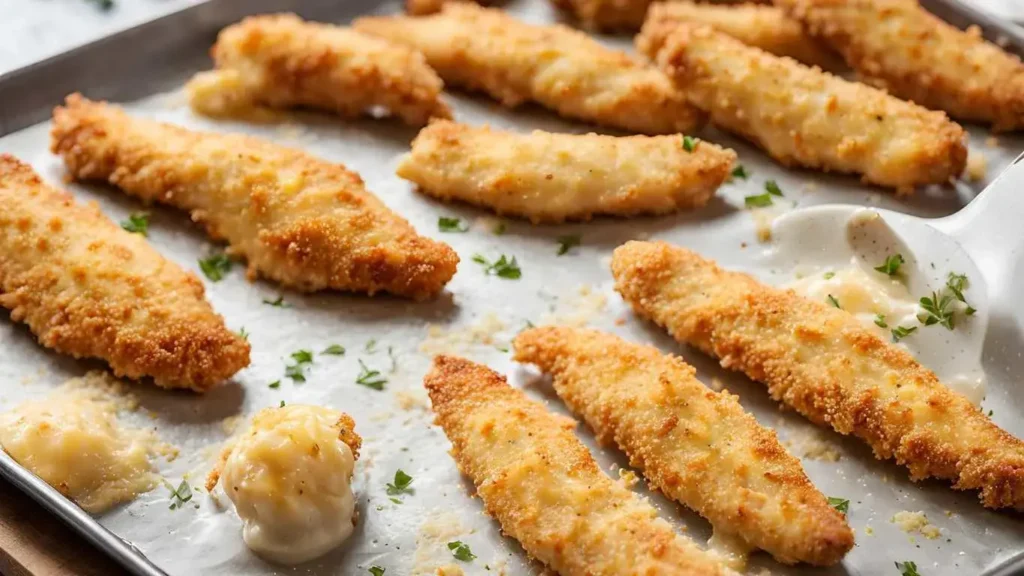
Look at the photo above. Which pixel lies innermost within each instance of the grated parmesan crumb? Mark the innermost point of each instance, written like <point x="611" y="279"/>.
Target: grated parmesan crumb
<point x="916" y="522"/>
<point x="628" y="477"/>
<point x="407" y="400"/>
<point x="458" y="339"/>
<point x="977" y="166"/>
<point x="812" y="446"/>
<point x="432" y="555"/>
<point x="581" y="311"/>
<point x="717" y="385"/>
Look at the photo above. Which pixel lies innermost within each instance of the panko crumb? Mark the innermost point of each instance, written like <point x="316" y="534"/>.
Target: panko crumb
<point x="717" y="385"/>
<point x="432" y="555"/>
<point x="458" y="339"/>
<point x="869" y="530"/>
<point x="409" y="400"/>
<point x="916" y="522"/>
<point x="811" y="445"/>
<point x="763" y="220"/>
<point x="449" y="570"/>
<point x="977" y="166"/>
<point x="581" y="310"/>
<point x="230" y="424"/>
<point x="628" y="478"/>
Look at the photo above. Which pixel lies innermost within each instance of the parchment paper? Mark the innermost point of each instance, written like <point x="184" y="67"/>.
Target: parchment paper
<point x="410" y="537"/>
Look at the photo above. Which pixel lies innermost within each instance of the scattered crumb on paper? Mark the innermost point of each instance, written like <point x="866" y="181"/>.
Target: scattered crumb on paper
<point x="916" y="522"/>
<point x="432" y="554"/>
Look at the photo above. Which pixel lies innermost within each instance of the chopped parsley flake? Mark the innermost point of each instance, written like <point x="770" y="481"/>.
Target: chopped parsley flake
<point x="137" y="223"/>
<point x="832" y="300"/>
<point x="302" y="356"/>
<point x="371" y="346"/>
<point x="566" y="243"/>
<point x="215" y="266"/>
<point x="957" y="283"/>
<point x="400" y="484"/>
<point x="740" y="172"/>
<point x="297" y="372"/>
<point x="758" y="201"/>
<point x="377" y="570"/>
<point x="274" y="385"/>
<point x="461" y="551"/>
<point x="243" y="333"/>
<point x="901" y="332"/>
<point x="282" y="404"/>
<point x="907" y="568"/>
<point x="451" y="225"/>
<point x="181" y="495"/>
<point x="830" y="275"/>
<point x="772" y="187"/>
<point x="505" y="267"/>
<point x="689" y="143"/>
<point x="370" y="378"/>
<point x="334" y="350"/>
<point x="279" y="303"/>
<point x="499" y="229"/>
<point x="880" y="321"/>
<point x="892" y="264"/>
<point x="841" y="504"/>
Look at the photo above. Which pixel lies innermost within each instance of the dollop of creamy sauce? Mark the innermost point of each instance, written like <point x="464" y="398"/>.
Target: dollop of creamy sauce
<point x="881" y="302"/>
<point x="289" y="477"/>
<point x="866" y="294"/>
<point x="73" y="441"/>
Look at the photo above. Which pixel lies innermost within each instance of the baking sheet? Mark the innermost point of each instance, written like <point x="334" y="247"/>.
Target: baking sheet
<point x="477" y="317"/>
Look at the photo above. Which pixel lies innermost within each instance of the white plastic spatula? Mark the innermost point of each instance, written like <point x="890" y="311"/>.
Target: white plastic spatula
<point x="984" y="242"/>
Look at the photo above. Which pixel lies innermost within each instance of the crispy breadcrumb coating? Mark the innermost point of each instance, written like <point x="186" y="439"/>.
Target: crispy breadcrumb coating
<point x="764" y="27"/>
<point x="824" y="363"/>
<point x="697" y="446"/>
<point x="900" y="47"/>
<point x="543" y="486"/>
<point x="562" y="69"/>
<point x="423" y="7"/>
<point x="87" y="288"/>
<point x="282" y="61"/>
<point x="805" y="117"/>
<point x="304" y="222"/>
<point x="626" y="15"/>
<point x="555" y="177"/>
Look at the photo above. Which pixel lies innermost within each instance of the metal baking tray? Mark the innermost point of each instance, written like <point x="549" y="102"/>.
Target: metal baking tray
<point x="145" y="65"/>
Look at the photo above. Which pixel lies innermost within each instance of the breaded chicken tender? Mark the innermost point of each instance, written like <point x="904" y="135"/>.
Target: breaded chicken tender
<point x="625" y="15"/>
<point x="281" y="61"/>
<point x="825" y="364"/>
<point x="697" y="446"/>
<point x="304" y="222"/>
<point x="764" y="27"/>
<point x="555" y="177"/>
<point x="87" y="288"/>
<point x="543" y="486"/>
<point x="805" y="117"/>
<point x="562" y="69"/>
<point x="423" y="7"/>
<point x="899" y="46"/>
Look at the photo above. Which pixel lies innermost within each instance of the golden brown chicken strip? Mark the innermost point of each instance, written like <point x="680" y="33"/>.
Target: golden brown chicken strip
<point x="805" y="117"/>
<point x="697" y="446"/>
<point x="900" y="47"/>
<point x="562" y="69"/>
<point x="824" y="363"/>
<point x="554" y="177"/>
<point x="87" y="288"/>
<point x="423" y="7"/>
<point x="764" y="27"/>
<point x="304" y="222"/>
<point x="543" y="486"/>
<point x="281" y="61"/>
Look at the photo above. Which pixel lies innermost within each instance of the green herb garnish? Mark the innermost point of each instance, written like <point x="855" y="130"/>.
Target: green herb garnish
<point x="104" y="5"/>
<point x="740" y="172"/>
<point x="279" y="303"/>
<point x="689" y="143"/>
<point x="376" y="570"/>
<point x="400" y="484"/>
<point x="504" y="268"/>
<point x="900" y="332"/>
<point x="892" y="264"/>
<point x="461" y="551"/>
<point x="937" y="310"/>
<point x="243" y="333"/>
<point x="758" y="201"/>
<point x="181" y="495"/>
<point x="297" y="372"/>
<point x="334" y="350"/>
<point x="841" y="504"/>
<point x="832" y="300"/>
<point x="830" y="275"/>
<point x="274" y="385"/>
<point x="451" y="225"/>
<point x="370" y="378"/>
<point x="215" y="266"/>
<point x="302" y="356"/>
<point x="371" y="346"/>
<point x="137" y="223"/>
<point x="566" y="243"/>
<point x="772" y="188"/>
<point x="880" y="321"/>
<point x="907" y="568"/>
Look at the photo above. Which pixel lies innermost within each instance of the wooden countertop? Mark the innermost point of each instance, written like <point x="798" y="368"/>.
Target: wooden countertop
<point x="35" y="543"/>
